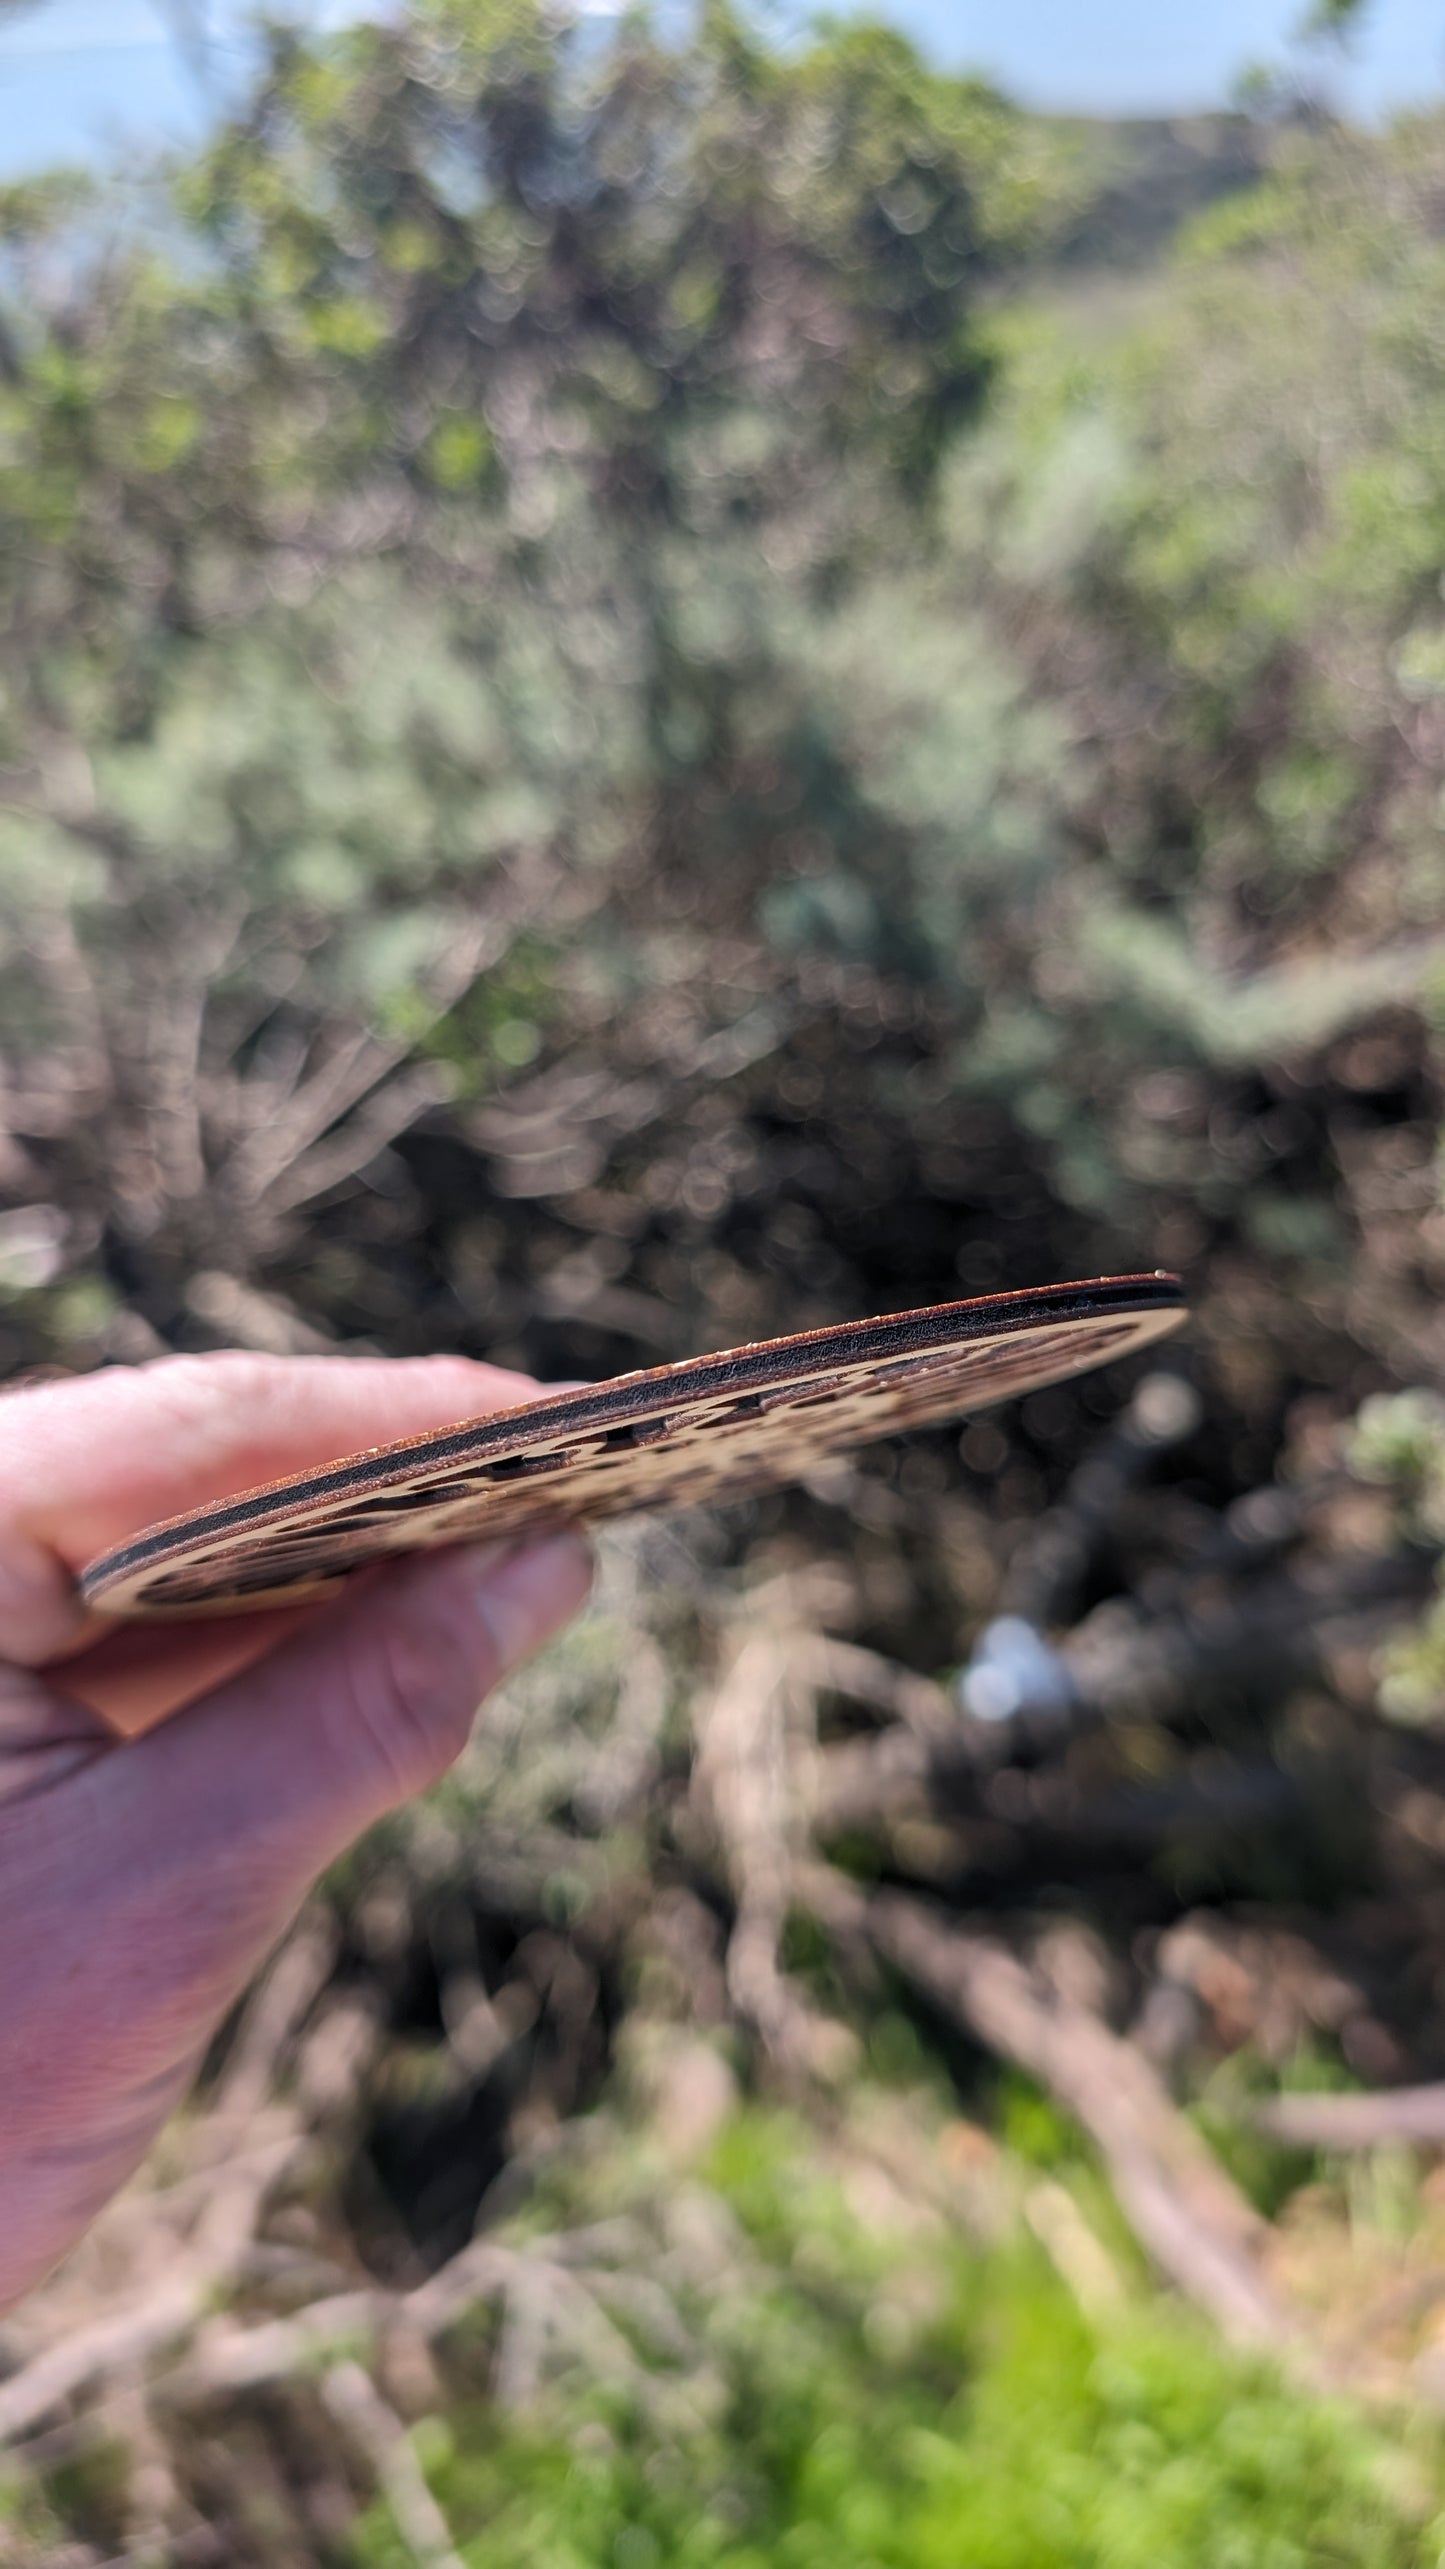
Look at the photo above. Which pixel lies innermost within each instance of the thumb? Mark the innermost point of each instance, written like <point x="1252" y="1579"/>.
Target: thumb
<point x="145" y="1886"/>
<point x="266" y="1781"/>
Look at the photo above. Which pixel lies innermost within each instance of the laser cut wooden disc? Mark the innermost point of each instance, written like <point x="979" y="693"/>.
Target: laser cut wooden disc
<point x="713" y="1427"/>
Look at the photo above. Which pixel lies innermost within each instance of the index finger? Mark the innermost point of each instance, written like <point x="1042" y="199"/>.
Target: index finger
<point x="86" y="1462"/>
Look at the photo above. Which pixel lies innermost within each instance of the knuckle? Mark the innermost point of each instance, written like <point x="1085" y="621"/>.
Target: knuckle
<point x="197" y="1397"/>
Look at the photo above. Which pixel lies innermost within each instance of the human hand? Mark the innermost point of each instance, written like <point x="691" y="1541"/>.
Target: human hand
<point x="144" y="1878"/>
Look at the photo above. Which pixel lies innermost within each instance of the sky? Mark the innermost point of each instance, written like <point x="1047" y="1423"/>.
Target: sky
<point x="80" y="78"/>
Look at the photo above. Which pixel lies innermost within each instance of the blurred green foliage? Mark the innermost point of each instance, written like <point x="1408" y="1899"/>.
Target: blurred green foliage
<point x="429" y="516"/>
<point x="1399" y="1439"/>
<point x="643" y="489"/>
<point x="883" y="2407"/>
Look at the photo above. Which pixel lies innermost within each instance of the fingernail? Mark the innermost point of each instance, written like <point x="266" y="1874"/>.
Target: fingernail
<point x="525" y="1597"/>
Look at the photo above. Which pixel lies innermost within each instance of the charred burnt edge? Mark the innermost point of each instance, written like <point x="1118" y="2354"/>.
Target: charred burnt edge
<point x="853" y="1341"/>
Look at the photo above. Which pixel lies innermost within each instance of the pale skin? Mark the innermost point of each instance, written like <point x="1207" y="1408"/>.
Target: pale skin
<point x="169" y="1793"/>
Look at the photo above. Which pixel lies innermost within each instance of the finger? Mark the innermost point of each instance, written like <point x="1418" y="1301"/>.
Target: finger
<point x="145" y="1909"/>
<point x="88" y="1461"/>
<point x="372" y="1703"/>
<point x="196" y="1843"/>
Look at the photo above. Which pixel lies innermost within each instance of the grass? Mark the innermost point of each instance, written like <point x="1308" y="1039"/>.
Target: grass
<point x="883" y="2396"/>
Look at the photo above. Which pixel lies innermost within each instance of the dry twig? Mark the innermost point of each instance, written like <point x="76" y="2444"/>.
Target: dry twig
<point x="377" y="2431"/>
<point x="1355" y="2122"/>
<point x="1186" y="2213"/>
<point x="744" y="1776"/>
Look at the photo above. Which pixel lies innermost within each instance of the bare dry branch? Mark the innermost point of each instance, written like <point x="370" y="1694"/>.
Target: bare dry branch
<point x="389" y="1109"/>
<point x="744" y="1777"/>
<point x="377" y="2431"/>
<point x="1185" y="2211"/>
<point x="1355" y="2122"/>
<point x="866" y="1677"/>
